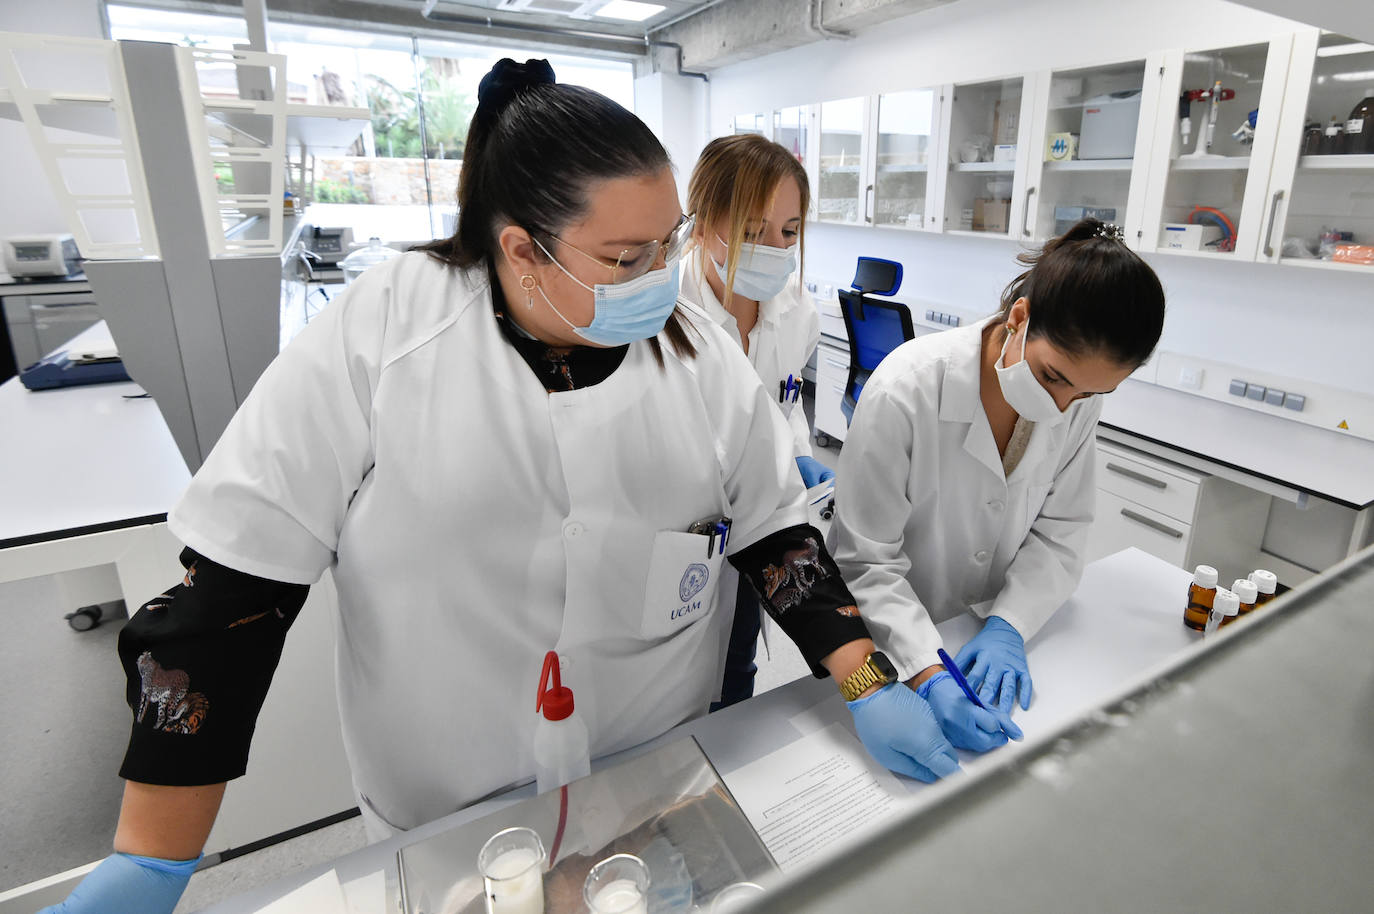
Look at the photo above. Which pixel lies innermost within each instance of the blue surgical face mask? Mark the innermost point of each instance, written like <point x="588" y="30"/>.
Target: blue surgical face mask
<point x="627" y="311"/>
<point x="762" y="271"/>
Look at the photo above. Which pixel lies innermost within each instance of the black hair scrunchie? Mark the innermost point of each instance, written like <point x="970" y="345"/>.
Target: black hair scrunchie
<point x="507" y="79"/>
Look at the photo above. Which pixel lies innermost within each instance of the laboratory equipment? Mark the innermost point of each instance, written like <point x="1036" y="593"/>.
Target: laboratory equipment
<point x="41" y="255"/>
<point x="1183" y="236"/>
<point x="1359" y="127"/>
<point x="617" y="885"/>
<point x="1333" y="138"/>
<point x="1215" y="95"/>
<point x="1109" y="125"/>
<point x="1245" y="592"/>
<point x="561" y="753"/>
<point x="735" y="897"/>
<point x="512" y="868"/>
<point x="326" y="245"/>
<point x="1201" y="592"/>
<point x="1245" y="133"/>
<point x="70" y="369"/>
<point x="357" y="262"/>
<point x="1224" y="608"/>
<point x="1267" y="585"/>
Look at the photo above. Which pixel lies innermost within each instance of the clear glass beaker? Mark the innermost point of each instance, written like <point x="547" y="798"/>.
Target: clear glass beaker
<point x="735" y="896"/>
<point x="512" y="868"/>
<point x="617" y="885"/>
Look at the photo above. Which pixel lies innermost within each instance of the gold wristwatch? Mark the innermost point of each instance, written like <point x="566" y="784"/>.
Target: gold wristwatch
<point x="876" y="670"/>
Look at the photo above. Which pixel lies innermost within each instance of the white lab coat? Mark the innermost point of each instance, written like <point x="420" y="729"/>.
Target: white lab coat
<point x="475" y="521"/>
<point x="927" y="525"/>
<point x="781" y="342"/>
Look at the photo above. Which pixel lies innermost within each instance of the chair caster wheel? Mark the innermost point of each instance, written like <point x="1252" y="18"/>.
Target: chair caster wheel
<point x="84" y="619"/>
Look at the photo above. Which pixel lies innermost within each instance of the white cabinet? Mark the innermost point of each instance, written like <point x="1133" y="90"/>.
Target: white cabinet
<point x="844" y="184"/>
<point x="1175" y="513"/>
<point x="832" y="374"/>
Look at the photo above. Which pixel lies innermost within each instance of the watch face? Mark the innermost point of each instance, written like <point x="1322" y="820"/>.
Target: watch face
<point x="883" y="665"/>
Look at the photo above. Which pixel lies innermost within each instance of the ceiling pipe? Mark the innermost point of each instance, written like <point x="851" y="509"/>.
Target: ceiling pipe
<point x="633" y="44"/>
<point x="677" y="47"/>
<point x="816" y="25"/>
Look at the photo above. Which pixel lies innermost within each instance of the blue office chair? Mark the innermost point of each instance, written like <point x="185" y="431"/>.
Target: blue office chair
<point x="875" y="327"/>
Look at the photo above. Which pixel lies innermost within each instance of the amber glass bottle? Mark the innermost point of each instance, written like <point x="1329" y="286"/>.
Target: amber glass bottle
<point x="1201" y="592"/>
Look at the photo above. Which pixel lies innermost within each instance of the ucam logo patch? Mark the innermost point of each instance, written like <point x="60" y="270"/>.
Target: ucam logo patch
<point x="693" y="581"/>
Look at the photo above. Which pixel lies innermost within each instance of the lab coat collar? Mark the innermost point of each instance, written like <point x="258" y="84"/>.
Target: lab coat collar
<point x="960" y="400"/>
<point x="769" y="310"/>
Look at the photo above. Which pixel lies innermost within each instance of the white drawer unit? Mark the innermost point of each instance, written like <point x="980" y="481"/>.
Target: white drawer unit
<point x="1175" y="513"/>
<point x="832" y="374"/>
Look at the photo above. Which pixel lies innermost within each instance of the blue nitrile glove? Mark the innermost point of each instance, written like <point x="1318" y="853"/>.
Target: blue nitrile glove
<point x="994" y="663"/>
<point x="813" y="472"/>
<point x="967" y="725"/>
<point x="898" y="729"/>
<point x="126" y="884"/>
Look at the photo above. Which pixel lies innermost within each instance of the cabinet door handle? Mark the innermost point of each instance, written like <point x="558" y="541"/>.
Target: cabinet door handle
<point x="1269" y="233"/>
<point x="1137" y="476"/>
<point x="1151" y="523"/>
<point x="1026" y="228"/>
<point x="868" y="205"/>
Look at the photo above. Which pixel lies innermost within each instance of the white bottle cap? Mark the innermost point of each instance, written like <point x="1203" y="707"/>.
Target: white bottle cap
<point x="1205" y="576"/>
<point x="1226" y="602"/>
<point x="1245" y="589"/>
<point x="1265" y="581"/>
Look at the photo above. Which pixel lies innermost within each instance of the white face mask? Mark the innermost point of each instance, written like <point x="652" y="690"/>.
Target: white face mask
<point x="1022" y="391"/>
<point x="762" y="271"/>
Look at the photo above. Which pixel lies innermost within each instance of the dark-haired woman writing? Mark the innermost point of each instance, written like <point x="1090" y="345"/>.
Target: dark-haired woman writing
<point x="509" y="443"/>
<point x="966" y="479"/>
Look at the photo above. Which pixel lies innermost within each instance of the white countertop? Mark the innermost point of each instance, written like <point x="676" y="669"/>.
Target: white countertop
<point x="1325" y="463"/>
<point x="84" y="457"/>
<point x="1124" y="620"/>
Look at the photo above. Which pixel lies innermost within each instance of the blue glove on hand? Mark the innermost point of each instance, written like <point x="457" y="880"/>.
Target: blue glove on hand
<point x="125" y="884"/>
<point x="898" y="729"/>
<point x="994" y="663"/>
<point x="813" y="472"/>
<point x="967" y="725"/>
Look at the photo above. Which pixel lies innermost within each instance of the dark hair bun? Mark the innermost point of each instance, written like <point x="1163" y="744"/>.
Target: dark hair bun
<point x="508" y="79"/>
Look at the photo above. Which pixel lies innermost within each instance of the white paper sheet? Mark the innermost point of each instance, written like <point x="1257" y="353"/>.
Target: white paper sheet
<point x="813" y="793"/>
<point x="322" y="895"/>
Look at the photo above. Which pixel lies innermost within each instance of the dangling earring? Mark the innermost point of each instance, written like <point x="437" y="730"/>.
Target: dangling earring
<point x="529" y="284"/>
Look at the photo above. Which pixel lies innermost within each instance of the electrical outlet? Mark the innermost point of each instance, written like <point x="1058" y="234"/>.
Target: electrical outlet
<point x="1190" y="377"/>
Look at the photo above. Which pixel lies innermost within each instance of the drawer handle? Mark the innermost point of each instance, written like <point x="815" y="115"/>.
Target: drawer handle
<point x="1151" y="523"/>
<point x="1137" y="476"/>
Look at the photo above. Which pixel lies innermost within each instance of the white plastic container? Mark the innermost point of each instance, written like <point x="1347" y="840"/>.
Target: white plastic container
<point x="355" y="263"/>
<point x="1109" y="125"/>
<point x="561" y="752"/>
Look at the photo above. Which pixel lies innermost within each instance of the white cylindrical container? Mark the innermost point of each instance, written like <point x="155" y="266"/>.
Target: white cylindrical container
<point x="561" y="752"/>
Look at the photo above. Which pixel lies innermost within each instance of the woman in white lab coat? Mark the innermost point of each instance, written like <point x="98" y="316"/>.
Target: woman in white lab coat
<point x="500" y="446"/>
<point x="966" y="480"/>
<point x="749" y="196"/>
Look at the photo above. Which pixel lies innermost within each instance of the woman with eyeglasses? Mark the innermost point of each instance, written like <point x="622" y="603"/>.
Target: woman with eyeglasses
<point x="749" y="197"/>
<point x="966" y="480"/>
<point x="509" y="443"/>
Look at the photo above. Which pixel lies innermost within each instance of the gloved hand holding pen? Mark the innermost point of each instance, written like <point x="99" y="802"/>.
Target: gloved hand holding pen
<point x="898" y="729"/>
<point x="965" y="724"/>
<point x="994" y="662"/>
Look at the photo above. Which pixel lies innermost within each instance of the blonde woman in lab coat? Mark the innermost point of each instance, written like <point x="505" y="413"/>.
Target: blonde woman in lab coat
<point x="749" y="197"/>
<point x="505" y="444"/>
<point x="966" y="479"/>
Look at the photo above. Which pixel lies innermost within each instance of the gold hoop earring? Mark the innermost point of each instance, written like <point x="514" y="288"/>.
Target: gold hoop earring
<point x="529" y="284"/>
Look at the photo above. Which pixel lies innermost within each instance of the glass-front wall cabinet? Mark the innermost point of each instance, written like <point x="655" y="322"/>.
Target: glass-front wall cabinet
<point x="1330" y="212"/>
<point x="1091" y="126"/>
<point x="902" y="184"/>
<point x="1208" y="186"/>
<point x="750" y="123"/>
<point x="841" y="194"/>
<point x="985" y="128"/>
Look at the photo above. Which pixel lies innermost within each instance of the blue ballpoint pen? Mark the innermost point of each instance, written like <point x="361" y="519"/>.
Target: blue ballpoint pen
<point x="958" y="677"/>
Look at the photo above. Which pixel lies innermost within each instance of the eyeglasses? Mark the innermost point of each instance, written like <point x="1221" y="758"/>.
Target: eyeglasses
<point x="636" y="261"/>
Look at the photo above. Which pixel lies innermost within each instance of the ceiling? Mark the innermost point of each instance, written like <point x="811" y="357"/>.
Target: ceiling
<point x="588" y="15"/>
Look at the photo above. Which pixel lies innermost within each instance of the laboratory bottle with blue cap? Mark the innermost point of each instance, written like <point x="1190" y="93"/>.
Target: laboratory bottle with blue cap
<point x="561" y="752"/>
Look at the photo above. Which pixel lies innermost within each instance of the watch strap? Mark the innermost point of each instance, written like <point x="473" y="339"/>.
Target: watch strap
<point x="861" y="679"/>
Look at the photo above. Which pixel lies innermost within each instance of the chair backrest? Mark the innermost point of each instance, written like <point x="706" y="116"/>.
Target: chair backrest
<point x="875" y="328"/>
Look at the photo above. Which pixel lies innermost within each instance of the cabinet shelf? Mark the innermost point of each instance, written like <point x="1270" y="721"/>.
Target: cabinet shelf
<point x="1327" y="265"/>
<point x="1337" y="163"/>
<point x="1221" y="163"/>
<point x="969" y="233"/>
<point x="1091" y="165"/>
<point x="904" y="168"/>
<point x="985" y="167"/>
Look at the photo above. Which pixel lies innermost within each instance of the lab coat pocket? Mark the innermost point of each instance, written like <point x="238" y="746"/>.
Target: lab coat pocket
<point x="681" y="587"/>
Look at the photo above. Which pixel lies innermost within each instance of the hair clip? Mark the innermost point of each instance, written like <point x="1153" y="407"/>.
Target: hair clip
<point x="1110" y="231"/>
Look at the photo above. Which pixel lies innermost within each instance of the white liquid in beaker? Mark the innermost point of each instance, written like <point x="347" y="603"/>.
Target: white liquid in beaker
<point x="620" y="897"/>
<point x="515" y="884"/>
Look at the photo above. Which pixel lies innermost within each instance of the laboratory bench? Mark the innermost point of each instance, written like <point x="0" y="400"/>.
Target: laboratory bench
<point x="1124" y="622"/>
<point x="38" y="314"/>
